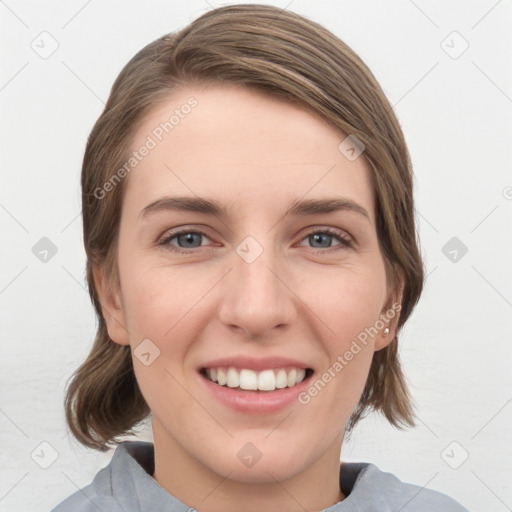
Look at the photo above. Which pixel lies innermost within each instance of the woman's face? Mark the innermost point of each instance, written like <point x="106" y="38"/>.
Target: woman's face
<point x="250" y="286"/>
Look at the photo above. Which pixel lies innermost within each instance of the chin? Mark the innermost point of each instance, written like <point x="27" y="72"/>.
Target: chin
<point x="259" y="462"/>
<point x="274" y="468"/>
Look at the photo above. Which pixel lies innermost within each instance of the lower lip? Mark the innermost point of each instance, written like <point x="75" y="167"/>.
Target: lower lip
<point x="256" y="402"/>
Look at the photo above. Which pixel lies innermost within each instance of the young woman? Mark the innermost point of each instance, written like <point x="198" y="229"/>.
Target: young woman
<point x="251" y="254"/>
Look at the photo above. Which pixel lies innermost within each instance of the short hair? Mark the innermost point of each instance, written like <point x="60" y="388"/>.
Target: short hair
<point x="286" y="56"/>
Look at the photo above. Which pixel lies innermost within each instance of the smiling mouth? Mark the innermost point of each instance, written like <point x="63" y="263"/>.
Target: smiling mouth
<point x="242" y="379"/>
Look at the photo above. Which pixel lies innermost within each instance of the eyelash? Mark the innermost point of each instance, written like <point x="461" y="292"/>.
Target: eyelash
<point x="345" y="242"/>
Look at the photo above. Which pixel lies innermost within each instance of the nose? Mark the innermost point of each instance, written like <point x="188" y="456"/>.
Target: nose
<point x="256" y="298"/>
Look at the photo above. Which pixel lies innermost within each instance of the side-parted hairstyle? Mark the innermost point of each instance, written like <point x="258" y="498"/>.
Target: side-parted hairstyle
<point x="284" y="55"/>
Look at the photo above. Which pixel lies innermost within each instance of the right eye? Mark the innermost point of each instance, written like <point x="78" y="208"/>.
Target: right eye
<point x="185" y="237"/>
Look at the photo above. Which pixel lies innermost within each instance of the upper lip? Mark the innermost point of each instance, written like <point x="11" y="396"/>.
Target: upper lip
<point x="255" y="364"/>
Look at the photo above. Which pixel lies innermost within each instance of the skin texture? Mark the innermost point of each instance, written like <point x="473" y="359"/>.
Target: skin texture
<point x="255" y="154"/>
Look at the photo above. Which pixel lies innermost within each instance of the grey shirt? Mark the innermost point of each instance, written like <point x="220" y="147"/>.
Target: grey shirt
<point x="126" y="485"/>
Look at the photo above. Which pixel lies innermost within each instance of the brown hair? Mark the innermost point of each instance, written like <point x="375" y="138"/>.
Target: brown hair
<point x="281" y="54"/>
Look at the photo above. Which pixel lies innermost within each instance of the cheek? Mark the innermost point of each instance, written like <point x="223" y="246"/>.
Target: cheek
<point x="160" y="307"/>
<point x="159" y="300"/>
<point x="350" y="308"/>
<point x="351" y="301"/>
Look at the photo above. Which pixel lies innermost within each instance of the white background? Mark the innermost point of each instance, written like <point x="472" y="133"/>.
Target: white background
<point x="456" y="114"/>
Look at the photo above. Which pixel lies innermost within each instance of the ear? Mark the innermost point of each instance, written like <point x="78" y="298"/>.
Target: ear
<point x="390" y="314"/>
<point x="111" y="307"/>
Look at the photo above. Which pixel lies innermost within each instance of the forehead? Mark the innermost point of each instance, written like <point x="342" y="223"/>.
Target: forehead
<point x="242" y="147"/>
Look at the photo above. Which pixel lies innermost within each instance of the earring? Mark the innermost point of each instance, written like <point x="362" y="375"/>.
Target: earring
<point x="386" y="331"/>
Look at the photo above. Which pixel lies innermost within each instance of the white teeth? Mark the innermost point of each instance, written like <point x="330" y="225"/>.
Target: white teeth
<point x="221" y="377"/>
<point x="291" y="377"/>
<point x="248" y="379"/>
<point x="281" y="379"/>
<point x="233" y="380"/>
<point x="266" y="380"/>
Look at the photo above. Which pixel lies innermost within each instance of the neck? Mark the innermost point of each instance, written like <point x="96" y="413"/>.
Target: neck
<point x="198" y="485"/>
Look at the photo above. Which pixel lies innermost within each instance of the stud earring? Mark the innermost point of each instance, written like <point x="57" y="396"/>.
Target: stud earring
<point x="386" y="331"/>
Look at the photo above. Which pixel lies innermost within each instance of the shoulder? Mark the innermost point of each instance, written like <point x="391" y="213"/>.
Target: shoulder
<point x="96" y="496"/>
<point x="114" y="485"/>
<point x="125" y="485"/>
<point x="383" y="491"/>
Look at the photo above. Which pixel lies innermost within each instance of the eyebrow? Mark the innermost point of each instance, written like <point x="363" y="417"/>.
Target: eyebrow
<point x="211" y="207"/>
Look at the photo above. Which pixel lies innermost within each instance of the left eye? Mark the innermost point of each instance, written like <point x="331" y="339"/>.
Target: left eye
<point x="325" y="235"/>
<point x="186" y="240"/>
<point x="187" y="236"/>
